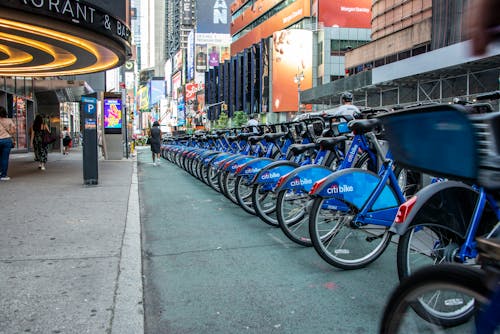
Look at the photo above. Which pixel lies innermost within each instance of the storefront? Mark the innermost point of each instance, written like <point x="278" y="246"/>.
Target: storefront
<point x="56" y="41"/>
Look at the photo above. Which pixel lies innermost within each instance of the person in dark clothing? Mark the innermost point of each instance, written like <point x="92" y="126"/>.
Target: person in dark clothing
<point x="36" y="134"/>
<point x="155" y="138"/>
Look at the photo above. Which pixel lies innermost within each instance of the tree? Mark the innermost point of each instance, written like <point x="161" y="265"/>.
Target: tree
<point x="222" y="121"/>
<point x="239" y="119"/>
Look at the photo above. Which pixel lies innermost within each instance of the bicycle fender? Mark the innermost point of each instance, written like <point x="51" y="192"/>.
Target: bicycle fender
<point x="271" y="173"/>
<point x="207" y="158"/>
<point x="252" y="167"/>
<point x="232" y="165"/>
<point x="221" y="164"/>
<point x="303" y="178"/>
<point x="355" y="185"/>
<point x="219" y="157"/>
<point x="448" y="204"/>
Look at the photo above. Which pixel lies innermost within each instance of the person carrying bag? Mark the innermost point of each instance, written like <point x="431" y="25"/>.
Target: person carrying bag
<point x="7" y="142"/>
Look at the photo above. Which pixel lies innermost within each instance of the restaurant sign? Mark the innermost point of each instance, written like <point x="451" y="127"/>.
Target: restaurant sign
<point x="76" y="12"/>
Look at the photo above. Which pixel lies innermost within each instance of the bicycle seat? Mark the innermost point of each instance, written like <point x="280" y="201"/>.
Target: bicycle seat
<point x="363" y="125"/>
<point x="245" y="136"/>
<point x="255" y="139"/>
<point x="330" y="142"/>
<point x="274" y="136"/>
<point x="301" y="148"/>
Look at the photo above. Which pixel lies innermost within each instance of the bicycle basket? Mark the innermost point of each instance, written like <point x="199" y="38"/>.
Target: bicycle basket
<point x="340" y="128"/>
<point x="436" y="139"/>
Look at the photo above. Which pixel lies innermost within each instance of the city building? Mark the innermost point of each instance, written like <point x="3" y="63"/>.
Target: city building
<point x="417" y="54"/>
<point x="279" y="47"/>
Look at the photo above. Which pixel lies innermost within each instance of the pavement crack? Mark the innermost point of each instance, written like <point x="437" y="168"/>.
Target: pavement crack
<point x="150" y="254"/>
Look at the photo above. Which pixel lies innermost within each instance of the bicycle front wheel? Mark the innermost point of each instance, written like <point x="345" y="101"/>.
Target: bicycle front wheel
<point x="264" y="203"/>
<point x="292" y="215"/>
<point x="429" y="300"/>
<point x="243" y="194"/>
<point x="339" y="240"/>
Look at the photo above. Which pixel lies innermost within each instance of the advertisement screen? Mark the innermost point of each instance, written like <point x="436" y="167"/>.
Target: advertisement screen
<point x="292" y="58"/>
<point x="112" y="115"/>
<point x="213" y="16"/>
<point x="157" y="91"/>
<point x="346" y="13"/>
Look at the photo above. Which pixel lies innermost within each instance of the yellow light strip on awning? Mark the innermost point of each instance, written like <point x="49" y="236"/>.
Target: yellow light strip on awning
<point x="62" y="58"/>
<point x="16" y="56"/>
<point x="106" y="59"/>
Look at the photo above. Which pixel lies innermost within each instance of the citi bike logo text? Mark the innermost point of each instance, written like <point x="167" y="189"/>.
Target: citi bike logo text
<point x="269" y="175"/>
<point x="251" y="170"/>
<point x="336" y="189"/>
<point x="300" y="182"/>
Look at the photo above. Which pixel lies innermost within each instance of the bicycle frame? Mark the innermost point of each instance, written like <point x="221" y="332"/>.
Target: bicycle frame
<point x="376" y="196"/>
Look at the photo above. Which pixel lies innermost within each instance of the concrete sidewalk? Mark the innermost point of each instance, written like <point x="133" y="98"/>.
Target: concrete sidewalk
<point x="70" y="254"/>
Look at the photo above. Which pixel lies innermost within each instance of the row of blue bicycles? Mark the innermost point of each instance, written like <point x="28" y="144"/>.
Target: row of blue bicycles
<point x="424" y="177"/>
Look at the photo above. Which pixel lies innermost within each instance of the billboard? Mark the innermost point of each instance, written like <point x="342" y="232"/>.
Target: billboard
<point x="178" y="61"/>
<point x="168" y="77"/>
<point x="291" y="57"/>
<point x="157" y="91"/>
<point x="213" y="16"/>
<point x="176" y="84"/>
<point x="190" y="56"/>
<point x="286" y="17"/>
<point x="345" y="13"/>
<point x="264" y="75"/>
<point x="201" y="58"/>
<point x="187" y="17"/>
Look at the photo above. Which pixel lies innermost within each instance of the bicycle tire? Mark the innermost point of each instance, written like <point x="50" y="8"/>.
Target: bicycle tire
<point x="297" y="230"/>
<point x="351" y="251"/>
<point x="243" y="194"/>
<point x="264" y="203"/>
<point x="444" y="284"/>
<point x="292" y="216"/>
<point x="425" y="244"/>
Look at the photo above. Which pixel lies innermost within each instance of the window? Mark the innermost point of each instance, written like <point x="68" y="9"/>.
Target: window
<point x="320" y="53"/>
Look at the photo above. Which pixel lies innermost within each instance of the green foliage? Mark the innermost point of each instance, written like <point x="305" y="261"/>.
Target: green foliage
<point x="222" y="121"/>
<point x="239" y="119"/>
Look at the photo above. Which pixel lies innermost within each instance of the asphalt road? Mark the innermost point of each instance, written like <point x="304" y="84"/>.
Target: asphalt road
<point x="210" y="267"/>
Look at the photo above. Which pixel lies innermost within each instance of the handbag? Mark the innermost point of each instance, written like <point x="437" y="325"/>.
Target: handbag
<point x="148" y="141"/>
<point x="47" y="137"/>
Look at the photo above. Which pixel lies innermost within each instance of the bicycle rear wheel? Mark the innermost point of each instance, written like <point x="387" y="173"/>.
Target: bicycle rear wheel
<point x="426" y="244"/>
<point x="436" y="294"/>
<point x="339" y="240"/>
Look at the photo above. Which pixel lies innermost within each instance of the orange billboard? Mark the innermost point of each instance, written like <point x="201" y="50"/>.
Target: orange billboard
<point x="252" y="13"/>
<point x="281" y="20"/>
<point x="292" y="59"/>
<point x="345" y="13"/>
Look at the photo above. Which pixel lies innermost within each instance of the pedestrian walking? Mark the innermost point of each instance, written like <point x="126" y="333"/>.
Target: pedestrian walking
<point x="347" y="110"/>
<point x="7" y="142"/>
<point x="36" y="134"/>
<point x="253" y="124"/>
<point x="155" y="140"/>
<point x="66" y="140"/>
